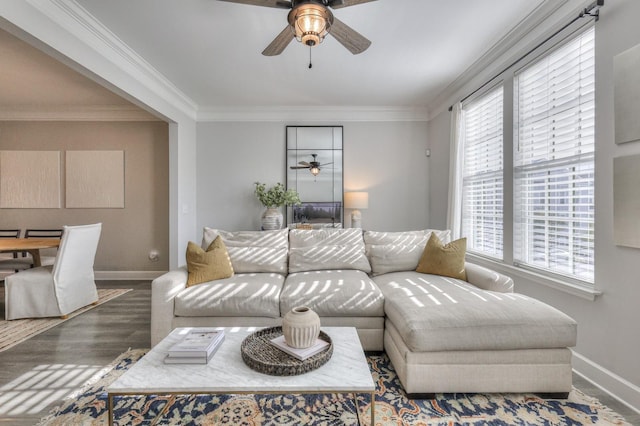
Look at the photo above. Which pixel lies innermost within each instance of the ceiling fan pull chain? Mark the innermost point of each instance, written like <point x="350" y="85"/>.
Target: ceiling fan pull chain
<point x="310" y="64"/>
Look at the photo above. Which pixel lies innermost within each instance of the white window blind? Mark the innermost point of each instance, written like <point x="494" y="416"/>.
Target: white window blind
<point x="482" y="176"/>
<point x="554" y="161"/>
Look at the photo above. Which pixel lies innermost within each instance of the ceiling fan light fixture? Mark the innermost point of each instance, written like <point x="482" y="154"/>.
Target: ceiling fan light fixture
<point x="315" y="170"/>
<point x="311" y="23"/>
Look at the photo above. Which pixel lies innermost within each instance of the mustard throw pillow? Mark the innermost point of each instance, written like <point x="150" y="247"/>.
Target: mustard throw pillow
<point x="446" y="260"/>
<point x="209" y="265"/>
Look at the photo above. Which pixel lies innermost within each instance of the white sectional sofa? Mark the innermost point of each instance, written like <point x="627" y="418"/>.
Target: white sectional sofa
<point x="442" y="334"/>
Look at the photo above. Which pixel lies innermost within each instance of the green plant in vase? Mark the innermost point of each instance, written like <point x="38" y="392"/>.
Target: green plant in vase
<point x="274" y="198"/>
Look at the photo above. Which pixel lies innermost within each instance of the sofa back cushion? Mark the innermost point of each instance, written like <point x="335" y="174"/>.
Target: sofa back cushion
<point x="398" y="251"/>
<point x="323" y="249"/>
<point x="253" y="251"/>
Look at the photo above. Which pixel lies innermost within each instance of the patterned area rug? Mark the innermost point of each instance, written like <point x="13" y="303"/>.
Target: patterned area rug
<point x="89" y="406"/>
<point x="17" y="331"/>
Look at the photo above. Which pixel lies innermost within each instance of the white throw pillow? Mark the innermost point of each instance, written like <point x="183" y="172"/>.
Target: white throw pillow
<point x="393" y="258"/>
<point x="398" y="251"/>
<point x="322" y="249"/>
<point x="331" y="237"/>
<point x="323" y="257"/>
<point x="253" y="251"/>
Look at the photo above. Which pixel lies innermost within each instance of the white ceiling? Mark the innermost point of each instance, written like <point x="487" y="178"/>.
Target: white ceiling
<point x="211" y="51"/>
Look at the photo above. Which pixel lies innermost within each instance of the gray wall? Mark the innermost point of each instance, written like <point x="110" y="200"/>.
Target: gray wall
<point x="127" y="234"/>
<point x="608" y="337"/>
<point x="439" y="129"/>
<point x="387" y="159"/>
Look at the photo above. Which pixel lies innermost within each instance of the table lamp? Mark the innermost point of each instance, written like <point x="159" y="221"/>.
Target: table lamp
<point x="356" y="201"/>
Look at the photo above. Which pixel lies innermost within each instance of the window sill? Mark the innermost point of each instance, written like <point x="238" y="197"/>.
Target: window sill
<point x="555" y="283"/>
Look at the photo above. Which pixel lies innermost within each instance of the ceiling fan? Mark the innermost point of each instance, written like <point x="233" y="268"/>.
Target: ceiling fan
<point x="313" y="166"/>
<point x="310" y="21"/>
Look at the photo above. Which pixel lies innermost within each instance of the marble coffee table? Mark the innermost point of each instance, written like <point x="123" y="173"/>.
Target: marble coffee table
<point x="346" y="372"/>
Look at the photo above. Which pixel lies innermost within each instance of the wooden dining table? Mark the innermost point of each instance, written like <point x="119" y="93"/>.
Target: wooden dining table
<point x="30" y="245"/>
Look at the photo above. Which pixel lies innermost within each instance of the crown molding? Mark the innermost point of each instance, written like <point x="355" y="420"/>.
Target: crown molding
<point x="312" y="114"/>
<point x="277" y="114"/>
<point x="69" y="15"/>
<point x="95" y="113"/>
<point x="489" y="62"/>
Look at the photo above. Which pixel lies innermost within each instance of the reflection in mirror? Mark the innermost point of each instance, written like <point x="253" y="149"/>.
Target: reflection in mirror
<point x="314" y="169"/>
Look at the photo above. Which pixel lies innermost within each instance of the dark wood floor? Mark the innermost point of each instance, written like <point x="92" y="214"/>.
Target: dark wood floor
<point x="37" y="374"/>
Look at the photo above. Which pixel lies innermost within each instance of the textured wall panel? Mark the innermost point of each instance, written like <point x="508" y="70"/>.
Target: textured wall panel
<point x="626" y="68"/>
<point x="29" y="179"/>
<point x="626" y="200"/>
<point x="95" y="179"/>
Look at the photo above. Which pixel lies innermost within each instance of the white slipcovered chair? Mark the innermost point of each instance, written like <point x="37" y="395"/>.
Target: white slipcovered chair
<point x="62" y="288"/>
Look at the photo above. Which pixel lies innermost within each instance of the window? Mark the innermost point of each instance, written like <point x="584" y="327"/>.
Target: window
<point x="482" y="201"/>
<point x="554" y="161"/>
<point x="527" y="195"/>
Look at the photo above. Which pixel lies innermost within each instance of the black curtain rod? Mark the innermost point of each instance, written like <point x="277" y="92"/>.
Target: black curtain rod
<point x="588" y="11"/>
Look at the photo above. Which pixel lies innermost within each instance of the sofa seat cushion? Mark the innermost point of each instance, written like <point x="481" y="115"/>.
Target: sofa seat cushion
<point x="333" y="293"/>
<point x="238" y="296"/>
<point x="436" y="313"/>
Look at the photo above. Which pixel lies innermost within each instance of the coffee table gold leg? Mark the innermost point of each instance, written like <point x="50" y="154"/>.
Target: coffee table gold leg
<point x="373" y="408"/>
<point x="355" y="401"/>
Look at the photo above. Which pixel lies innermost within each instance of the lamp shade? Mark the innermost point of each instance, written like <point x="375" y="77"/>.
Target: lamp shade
<point x="356" y="200"/>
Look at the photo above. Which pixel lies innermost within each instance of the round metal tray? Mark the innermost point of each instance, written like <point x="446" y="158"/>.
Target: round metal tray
<point x="260" y="355"/>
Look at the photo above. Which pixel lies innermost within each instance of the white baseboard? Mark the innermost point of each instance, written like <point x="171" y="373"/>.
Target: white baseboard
<point x="128" y="275"/>
<point x="115" y="275"/>
<point x="616" y="386"/>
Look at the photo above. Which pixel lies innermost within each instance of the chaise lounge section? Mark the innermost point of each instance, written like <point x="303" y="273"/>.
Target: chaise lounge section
<point x="473" y="339"/>
<point x="441" y="334"/>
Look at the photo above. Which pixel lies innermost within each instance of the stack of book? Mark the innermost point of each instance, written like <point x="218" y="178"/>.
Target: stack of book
<point x="197" y="347"/>
<point x="300" y="354"/>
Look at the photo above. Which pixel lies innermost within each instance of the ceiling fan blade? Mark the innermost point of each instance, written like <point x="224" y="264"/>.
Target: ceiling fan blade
<point x="279" y="43"/>
<point x="337" y="4"/>
<point x="325" y="164"/>
<point x="280" y="4"/>
<point x="298" y="167"/>
<point x="348" y="37"/>
<point x="304" y="163"/>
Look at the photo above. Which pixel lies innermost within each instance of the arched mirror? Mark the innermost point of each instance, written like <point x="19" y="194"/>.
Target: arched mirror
<point x="314" y="169"/>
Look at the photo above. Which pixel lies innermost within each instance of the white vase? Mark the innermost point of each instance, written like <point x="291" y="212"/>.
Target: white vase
<point x="271" y="219"/>
<point x="301" y="327"/>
